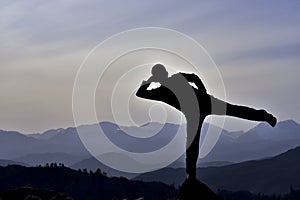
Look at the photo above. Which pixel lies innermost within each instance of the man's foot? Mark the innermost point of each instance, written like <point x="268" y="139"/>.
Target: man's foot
<point x="271" y="119"/>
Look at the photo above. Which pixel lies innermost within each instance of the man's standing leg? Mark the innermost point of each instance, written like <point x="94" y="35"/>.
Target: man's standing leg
<point x="192" y="148"/>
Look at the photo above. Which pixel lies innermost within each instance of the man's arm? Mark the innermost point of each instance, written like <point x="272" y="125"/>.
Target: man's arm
<point x="161" y="93"/>
<point x="142" y="91"/>
<point x="153" y="94"/>
<point x="195" y="79"/>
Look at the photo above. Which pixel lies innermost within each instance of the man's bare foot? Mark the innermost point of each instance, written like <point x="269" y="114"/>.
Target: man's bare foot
<point x="271" y="119"/>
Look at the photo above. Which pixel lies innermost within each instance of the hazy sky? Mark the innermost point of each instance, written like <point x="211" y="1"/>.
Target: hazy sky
<point x="255" y="44"/>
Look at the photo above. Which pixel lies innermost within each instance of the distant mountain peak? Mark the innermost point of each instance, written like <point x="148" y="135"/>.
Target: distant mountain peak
<point x="287" y="124"/>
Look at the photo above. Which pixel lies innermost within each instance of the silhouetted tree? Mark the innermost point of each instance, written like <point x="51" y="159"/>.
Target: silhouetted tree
<point x="98" y="171"/>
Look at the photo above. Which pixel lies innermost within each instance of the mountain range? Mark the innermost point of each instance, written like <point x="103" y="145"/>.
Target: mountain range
<point x="79" y="184"/>
<point x="59" y="182"/>
<point x="272" y="175"/>
<point x="65" y="146"/>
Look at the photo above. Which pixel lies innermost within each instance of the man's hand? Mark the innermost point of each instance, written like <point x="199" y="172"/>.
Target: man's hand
<point x="150" y="80"/>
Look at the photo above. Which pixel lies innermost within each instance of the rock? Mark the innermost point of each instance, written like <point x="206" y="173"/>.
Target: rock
<point x="194" y="189"/>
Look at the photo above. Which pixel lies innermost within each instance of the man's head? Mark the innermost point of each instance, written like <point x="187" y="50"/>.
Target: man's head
<point x="159" y="72"/>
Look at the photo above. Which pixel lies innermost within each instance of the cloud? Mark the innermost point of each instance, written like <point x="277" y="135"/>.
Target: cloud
<point x="255" y="44"/>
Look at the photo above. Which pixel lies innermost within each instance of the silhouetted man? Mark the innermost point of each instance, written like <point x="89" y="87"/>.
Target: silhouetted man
<point x="187" y="93"/>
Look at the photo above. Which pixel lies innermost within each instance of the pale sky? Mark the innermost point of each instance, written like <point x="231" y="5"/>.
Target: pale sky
<point x="255" y="44"/>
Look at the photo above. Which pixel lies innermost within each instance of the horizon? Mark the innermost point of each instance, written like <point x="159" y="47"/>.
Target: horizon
<point x="139" y="126"/>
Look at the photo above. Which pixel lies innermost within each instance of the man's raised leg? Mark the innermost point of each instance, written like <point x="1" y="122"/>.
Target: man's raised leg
<point x="220" y="107"/>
